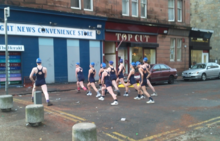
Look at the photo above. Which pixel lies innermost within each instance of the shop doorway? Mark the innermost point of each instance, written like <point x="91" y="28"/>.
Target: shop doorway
<point x="205" y="57"/>
<point x="123" y="54"/>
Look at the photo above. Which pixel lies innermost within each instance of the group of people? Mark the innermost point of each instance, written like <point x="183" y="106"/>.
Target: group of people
<point x="109" y="77"/>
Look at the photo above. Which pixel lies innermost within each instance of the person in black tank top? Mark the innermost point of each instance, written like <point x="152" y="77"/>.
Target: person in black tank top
<point x="130" y="79"/>
<point x="107" y="84"/>
<point x="113" y="76"/>
<point x="79" y="77"/>
<point x="91" y="79"/>
<point x="148" y="82"/>
<point x="121" y="70"/>
<point x="41" y="74"/>
<point x="145" y="74"/>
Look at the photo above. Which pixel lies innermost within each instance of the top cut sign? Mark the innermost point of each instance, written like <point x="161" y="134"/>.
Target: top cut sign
<point x="50" y="31"/>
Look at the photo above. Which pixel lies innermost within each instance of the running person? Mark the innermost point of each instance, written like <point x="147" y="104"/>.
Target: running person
<point x="107" y="84"/>
<point x="80" y="77"/>
<point x="41" y="74"/>
<point x="146" y="65"/>
<point x="113" y="76"/>
<point x="91" y="79"/>
<point x="131" y="80"/>
<point x="121" y="70"/>
<point x="145" y="74"/>
<point x="100" y="77"/>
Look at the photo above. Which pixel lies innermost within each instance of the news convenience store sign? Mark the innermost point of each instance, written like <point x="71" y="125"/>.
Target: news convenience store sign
<point x="12" y="48"/>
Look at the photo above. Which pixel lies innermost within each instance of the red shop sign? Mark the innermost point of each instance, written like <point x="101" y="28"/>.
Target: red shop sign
<point x="110" y="36"/>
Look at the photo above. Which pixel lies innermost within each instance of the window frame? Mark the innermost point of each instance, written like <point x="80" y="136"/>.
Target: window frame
<point x="136" y="7"/>
<point x="173" y="11"/>
<point x="79" y="8"/>
<point x="145" y="9"/>
<point x="90" y="5"/>
<point x="181" y="8"/>
<point x="128" y="5"/>
<point x="179" y="47"/>
<point x="174" y="44"/>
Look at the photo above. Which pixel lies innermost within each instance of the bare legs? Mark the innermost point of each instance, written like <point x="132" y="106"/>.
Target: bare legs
<point x="115" y="84"/>
<point x="80" y="83"/>
<point x="151" y="87"/>
<point x="110" y="92"/>
<point x="44" y="89"/>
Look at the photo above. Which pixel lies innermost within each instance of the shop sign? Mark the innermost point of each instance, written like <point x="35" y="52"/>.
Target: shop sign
<point x="49" y="31"/>
<point x="199" y="40"/>
<point x="12" y="48"/>
<point x="109" y="36"/>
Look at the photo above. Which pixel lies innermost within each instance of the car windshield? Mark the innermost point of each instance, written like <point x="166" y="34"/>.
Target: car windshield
<point x="199" y="66"/>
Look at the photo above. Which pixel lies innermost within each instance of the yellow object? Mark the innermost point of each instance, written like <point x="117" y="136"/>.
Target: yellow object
<point x="122" y="86"/>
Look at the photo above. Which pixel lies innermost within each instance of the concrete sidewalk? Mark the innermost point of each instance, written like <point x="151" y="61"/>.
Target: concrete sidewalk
<point x="51" y="88"/>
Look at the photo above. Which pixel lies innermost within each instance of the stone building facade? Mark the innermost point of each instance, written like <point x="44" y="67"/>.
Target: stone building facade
<point x="205" y="15"/>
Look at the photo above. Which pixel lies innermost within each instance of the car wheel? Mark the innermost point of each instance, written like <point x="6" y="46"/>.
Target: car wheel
<point x="203" y="77"/>
<point x="171" y="80"/>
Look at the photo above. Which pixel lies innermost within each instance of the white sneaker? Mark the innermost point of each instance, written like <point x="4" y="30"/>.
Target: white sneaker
<point x="142" y="97"/>
<point x="114" y="103"/>
<point x="98" y="95"/>
<point x="115" y="90"/>
<point x="89" y="94"/>
<point x="101" y="98"/>
<point x="126" y="94"/>
<point x="137" y="98"/>
<point x="154" y="94"/>
<point x="150" y="102"/>
<point x="99" y="89"/>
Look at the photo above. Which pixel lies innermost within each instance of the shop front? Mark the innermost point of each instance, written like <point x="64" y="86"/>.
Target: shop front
<point x="199" y="43"/>
<point x="59" y="39"/>
<point x="134" y="42"/>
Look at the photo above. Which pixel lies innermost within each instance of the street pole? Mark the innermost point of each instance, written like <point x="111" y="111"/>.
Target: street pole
<point x="6" y="14"/>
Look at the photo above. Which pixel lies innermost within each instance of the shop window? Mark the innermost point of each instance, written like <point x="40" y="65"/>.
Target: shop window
<point x="125" y="7"/>
<point x="135" y="8"/>
<point x="172" y="49"/>
<point x="151" y="55"/>
<point x="137" y="54"/>
<point x="179" y="10"/>
<point x="171" y="10"/>
<point x="179" y="49"/>
<point x="76" y="4"/>
<point x="88" y="5"/>
<point x="196" y="56"/>
<point x="143" y="8"/>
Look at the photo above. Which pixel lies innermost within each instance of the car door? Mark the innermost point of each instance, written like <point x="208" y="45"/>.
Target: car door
<point x="215" y="70"/>
<point x="165" y="72"/>
<point x="155" y="74"/>
<point x="209" y="70"/>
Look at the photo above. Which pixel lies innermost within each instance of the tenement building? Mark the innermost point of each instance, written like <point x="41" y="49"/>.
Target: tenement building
<point x="63" y="32"/>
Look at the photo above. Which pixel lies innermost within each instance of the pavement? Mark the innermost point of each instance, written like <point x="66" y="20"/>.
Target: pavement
<point x="182" y="111"/>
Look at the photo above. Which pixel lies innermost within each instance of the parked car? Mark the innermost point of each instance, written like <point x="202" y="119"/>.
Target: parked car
<point x="202" y="71"/>
<point x="160" y="73"/>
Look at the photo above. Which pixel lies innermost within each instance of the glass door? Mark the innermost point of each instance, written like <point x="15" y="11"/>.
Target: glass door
<point x="205" y="57"/>
<point x="123" y="54"/>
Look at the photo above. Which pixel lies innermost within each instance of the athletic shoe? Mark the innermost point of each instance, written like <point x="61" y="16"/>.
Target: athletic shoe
<point x="49" y="103"/>
<point x="118" y="93"/>
<point x="125" y="95"/>
<point x="114" y="103"/>
<point x="150" y="102"/>
<point x="137" y="98"/>
<point x="100" y="89"/>
<point x="89" y="94"/>
<point x="154" y="94"/>
<point x="142" y="97"/>
<point x="101" y="98"/>
<point x="98" y="95"/>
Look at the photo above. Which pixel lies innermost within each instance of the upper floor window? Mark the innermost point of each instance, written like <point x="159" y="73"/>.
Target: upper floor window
<point x="125" y="7"/>
<point x="143" y="8"/>
<point x="179" y="10"/>
<point x="171" y="10"/>
<point x="172" y="49"/>
<point x="135" y="8"/>
<point x="76" y="4"/>
<point x="88" y="5"/>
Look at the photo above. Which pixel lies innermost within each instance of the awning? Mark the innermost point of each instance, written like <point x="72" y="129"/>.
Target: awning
<point x="134" y="44"/>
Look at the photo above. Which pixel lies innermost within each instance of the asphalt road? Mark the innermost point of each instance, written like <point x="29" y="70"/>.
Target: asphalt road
<point x="180" y="107"/>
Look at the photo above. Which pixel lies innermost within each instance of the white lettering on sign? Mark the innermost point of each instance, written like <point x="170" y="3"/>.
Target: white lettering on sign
<point x="49" y="31"/>
<point x="12" y="48"/>
<point x="129" y="37"/>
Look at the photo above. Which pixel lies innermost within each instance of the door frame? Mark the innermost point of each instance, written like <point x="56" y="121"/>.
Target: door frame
<point x="207" y="59"/>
